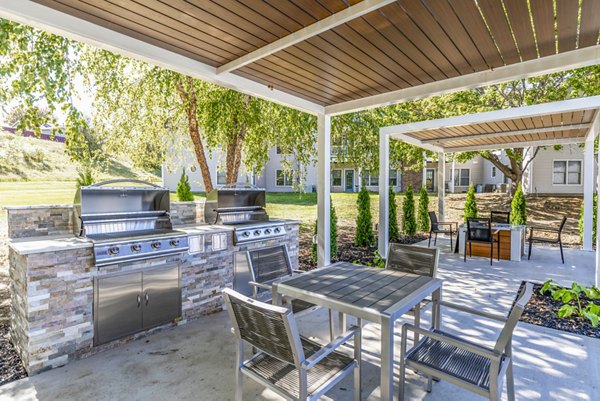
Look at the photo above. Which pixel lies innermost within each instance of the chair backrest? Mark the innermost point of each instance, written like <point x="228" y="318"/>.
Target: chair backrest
<point x="413" y="259"/>
<point x="433" y="220"/>
<point x="562" y="225"/>
<point x="500" y="217"/>
<point x="267" y="264"/>
<point x="479" y="229"/>
<point x="269" y="328"/>
<point x="513" y="317"/>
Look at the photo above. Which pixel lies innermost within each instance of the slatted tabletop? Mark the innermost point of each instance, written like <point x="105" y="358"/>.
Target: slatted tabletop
<point x="366" y="292"/>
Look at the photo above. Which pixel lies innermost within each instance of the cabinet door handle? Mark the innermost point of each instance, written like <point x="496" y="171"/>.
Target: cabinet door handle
<point x="147" y="298"/>
<point x="139" y="300"/>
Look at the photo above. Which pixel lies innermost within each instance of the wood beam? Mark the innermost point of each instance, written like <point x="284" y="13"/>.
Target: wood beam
<point x="339" y="18"/>
<point x="499" y="146"/>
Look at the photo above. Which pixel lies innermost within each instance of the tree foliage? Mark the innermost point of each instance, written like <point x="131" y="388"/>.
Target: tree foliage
<point x="184" y="190"/>
<point x="409" y="223"/>
<point x="364" y="221"/>
<point x="423" y="211"/>
<point x="470" y="203"/>
<point x="518" y="214"/>
<point x="393" y="231"/>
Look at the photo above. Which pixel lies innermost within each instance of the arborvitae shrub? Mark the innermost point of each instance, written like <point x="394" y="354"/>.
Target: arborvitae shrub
<point x="409" y="223"/>
<point x="333" y="246"/>
<point x="518" y="214"/>
<point x="184" y="190"/>
<point x="364" y="221"/>
<point x="594" y="222"/>
<point x="470" y="203"/>
<point x="423" y="213"/>
<point x="393" y="218"/>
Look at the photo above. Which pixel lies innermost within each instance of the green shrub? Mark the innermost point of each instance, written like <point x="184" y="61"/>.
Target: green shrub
<point x="393" y="218"/>
<point x="470" y="203"/>
<point x="333" y="246"/>
<point x="85" y="177"/>
<point x="577" y="300"/>
<point x="518" y="214"/>
<point x="409" y="224"/>
<point x="594" y="222"/>
<point x="364" y="222"/>
<point x="184" y="190"/>
<point x="423" y="213"/>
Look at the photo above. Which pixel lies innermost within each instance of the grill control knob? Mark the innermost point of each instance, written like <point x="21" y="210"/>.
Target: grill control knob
<point x="277" y="229"/>
<point x="155" y="245"/>
<point x="246" y="234"/>
<point x="256" y="233"/>
<point x="113" y="251"/>
<point x="136" y="248"/>
<point x="268" y="231"/>
<point x="174" y="242"/>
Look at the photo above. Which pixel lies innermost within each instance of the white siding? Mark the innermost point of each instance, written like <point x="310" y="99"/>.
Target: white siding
<point x="543" y="170"/>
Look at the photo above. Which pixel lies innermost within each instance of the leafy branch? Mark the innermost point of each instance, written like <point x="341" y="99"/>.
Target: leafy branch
<point x="572" y="300"/>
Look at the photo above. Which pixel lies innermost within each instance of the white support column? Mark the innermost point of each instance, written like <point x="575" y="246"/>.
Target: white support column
<point x="527" y="178"/>
<point x="598" y="236"/>
<point x="323" y="189"/>
<point x="588" y="191"/>
<point x="452" y="175"/>
<point x="441" y="178"/>
<point x="384" y="201"/>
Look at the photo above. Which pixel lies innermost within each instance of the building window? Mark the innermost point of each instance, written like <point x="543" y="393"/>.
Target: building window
<point x="370" y="180"/>
<point x="493" y="171"/>
<point x="566" y="172"/>
<point x="462" y="177"/>
<point x="430" y="179"/>
<point x="221" y="177"/>
<point x="393" y="178"/>
<point x="283" y="180"/>
<point x="336" y="178"/>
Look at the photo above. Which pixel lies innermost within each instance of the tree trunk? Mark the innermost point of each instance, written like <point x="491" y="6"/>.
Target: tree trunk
<point x="233" y="159"/>
<point x="515" y="170"/>
<point x="190" y="104"/>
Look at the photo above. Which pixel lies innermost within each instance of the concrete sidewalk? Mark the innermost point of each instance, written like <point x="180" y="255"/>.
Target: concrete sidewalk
<point x="196" y="361"/>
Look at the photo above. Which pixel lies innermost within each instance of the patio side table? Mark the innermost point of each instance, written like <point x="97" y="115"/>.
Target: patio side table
<point x="377" y="295"/>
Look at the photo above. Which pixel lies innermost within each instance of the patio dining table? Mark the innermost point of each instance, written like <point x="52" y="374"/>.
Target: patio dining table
<point x="373" y="294"/>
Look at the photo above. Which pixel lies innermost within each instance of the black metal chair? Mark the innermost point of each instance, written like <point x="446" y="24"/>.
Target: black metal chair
<point x="500" y="217"/>
<point x="467" y="364"/>
<point x="293" y="366"/>
<point x="268" y="265"/>
<point x="479" y="230"/>
<point x="553" y="240"/>
<point x="441" y="227"/>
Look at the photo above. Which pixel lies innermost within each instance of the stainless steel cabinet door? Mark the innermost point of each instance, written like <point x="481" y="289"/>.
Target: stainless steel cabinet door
<point x="162" y="295"/>
<point x="118" y="306"/>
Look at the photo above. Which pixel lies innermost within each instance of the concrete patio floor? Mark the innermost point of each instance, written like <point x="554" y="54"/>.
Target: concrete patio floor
<point x="195" y="361"/>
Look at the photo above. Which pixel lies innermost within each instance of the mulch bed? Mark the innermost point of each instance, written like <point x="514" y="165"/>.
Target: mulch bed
<point x="11" y="368"/>
<point x="542" y="310"/>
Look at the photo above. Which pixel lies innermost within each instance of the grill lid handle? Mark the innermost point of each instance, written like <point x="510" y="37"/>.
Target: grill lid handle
<point x="122" y="180"/>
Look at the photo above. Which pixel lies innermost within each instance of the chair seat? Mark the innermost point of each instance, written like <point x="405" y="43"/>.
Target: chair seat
<point x="285" y="376"/>
<point x="444" y="231"/>
<point x="301" y="306"/>
<point x="543" y="239"/>
<point x="461" y="364"/>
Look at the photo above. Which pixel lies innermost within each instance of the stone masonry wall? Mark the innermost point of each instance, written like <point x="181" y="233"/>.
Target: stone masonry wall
<point x="187" y="212"/>
<point x="38" y="221"/>
<point x="55" y="298"/>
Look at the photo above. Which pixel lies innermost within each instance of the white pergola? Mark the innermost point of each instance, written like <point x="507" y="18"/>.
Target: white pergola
<point x="572" y="121"/>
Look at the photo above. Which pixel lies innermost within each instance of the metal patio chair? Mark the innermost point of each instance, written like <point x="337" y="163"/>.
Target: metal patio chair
<point x="479" y="230"/>
<point x="467" y="364"/>
<point x="268" y="265"/>
<point x="554" y="240"/>
<point x="416" y="260"/>
<point x="441" y="227"/>
<point x="294" y="367"/>
<point x="500" y="217"/>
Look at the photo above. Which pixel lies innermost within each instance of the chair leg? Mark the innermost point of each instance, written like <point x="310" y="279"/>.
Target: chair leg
<point x="358" y="358"/>
<point x="491" y="252"/>
<point x="435" y="240"/>
<point x="529" y="253"/>
<point x="451" y="235"/>
<point x="429" y="383"/>
<point x="465" y="251"/>
<point x="429" y="244"/>
<point x="510" y="380"/>
<point x="239" y="377"/>
<point x="498" y="247"/>
<point x="402" y="375"/>
<point x="562" y="257"/>
<point x="331" y="329"/>
<point x="470" y="249"/>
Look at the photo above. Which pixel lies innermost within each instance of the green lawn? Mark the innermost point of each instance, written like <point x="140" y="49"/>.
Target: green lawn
<point x="36" y="192"/>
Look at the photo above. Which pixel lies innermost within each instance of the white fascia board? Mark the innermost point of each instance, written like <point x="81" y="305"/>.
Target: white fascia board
<point x="29" y="13"/>
<point x="492" y="135"/>
<point x="563" y="106"/>
<point x="413" y="141"/>
<point x="545" y="65"/>
<point x="339" y="18"/>
<point x="594" y="127"/>
<point x="499" y="146"/>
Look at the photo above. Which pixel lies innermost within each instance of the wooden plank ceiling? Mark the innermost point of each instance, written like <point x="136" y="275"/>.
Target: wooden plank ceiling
<point x="528" y="129"/>
<point x="404" y="44"/>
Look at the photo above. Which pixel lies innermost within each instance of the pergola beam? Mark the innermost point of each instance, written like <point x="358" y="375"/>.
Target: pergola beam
<point x="499" y="146"/>
<point x="339" y="18"/>
<point x="492" y="135"/>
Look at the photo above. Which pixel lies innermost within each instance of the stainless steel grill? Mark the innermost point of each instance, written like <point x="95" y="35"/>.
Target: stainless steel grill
<point x="126" y="222"/>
